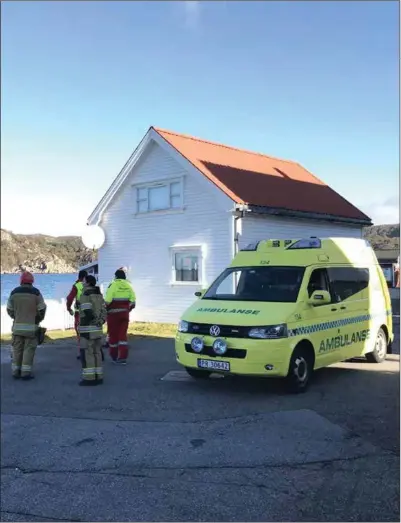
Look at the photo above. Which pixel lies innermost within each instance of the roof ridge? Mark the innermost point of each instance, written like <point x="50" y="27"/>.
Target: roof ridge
<point x="189" y="137"/>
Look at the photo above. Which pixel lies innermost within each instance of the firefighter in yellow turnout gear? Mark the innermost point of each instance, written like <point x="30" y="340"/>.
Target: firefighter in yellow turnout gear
<point x="92" y="316"/>
<point x="74" y="298"/>
<point x="27" y="308"/>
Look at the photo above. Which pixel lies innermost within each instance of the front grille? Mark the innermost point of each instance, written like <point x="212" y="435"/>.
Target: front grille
<point x="238" y="354"/>
<point x="226" y="331"/>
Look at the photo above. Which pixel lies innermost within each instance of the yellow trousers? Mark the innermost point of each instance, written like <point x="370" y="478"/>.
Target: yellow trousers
<point x="91" y="358"/>
<point x="23" y="354"/>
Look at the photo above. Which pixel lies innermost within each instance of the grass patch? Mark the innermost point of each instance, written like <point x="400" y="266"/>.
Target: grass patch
<point x="153" y="330"/>
<point x="51" y="336"/>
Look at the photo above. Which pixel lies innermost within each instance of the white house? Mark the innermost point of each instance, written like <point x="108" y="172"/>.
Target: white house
<point x="181" y="208"/>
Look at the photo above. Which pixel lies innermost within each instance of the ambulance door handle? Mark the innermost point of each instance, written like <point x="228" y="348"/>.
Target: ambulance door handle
<point x="343" y="308"/>
<point x="334" y="309"/>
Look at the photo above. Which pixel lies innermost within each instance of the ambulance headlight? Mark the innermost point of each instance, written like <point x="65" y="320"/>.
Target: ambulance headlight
<point x="220" y="347"/>
<point x="197" y="344"/>
<point x="271" y="332"/>
<point x="183" y="326"/>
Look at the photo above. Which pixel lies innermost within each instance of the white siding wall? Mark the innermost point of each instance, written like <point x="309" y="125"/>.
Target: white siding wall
<point x="261" y="228"/>
<point x="57" y="317"/>
<point x="142" y="242"/>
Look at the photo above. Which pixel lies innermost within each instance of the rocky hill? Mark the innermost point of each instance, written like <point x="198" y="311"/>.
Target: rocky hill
<point x="63" y="254"/>
<point x="384" y="236"/>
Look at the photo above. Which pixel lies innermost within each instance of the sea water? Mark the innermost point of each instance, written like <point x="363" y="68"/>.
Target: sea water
<point x="52" y="286"/>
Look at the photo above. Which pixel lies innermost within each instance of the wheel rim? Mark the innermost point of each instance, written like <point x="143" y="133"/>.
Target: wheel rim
<point x="381" y="345"/>
<point x="301" y="369"/>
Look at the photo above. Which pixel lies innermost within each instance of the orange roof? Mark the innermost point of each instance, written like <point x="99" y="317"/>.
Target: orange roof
<point x="256" y="179"/>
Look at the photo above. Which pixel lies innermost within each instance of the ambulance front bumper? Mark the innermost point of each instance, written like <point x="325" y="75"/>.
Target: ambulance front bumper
<point x="249" y="357"/>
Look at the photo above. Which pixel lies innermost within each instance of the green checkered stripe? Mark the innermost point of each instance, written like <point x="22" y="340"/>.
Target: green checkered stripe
<point x="318" y="327"/>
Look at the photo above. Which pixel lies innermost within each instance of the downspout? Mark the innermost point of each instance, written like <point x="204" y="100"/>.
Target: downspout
<point x="238" y="215"/>
<point x="236" y="235"/>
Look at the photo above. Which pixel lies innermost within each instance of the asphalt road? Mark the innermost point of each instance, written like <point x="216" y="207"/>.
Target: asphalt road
<point x="154" y="445"/>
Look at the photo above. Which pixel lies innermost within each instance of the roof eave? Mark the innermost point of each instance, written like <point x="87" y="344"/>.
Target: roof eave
<point x="278" y="211"/>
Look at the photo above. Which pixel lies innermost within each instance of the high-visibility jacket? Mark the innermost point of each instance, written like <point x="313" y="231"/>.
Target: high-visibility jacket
<point x="92" y="313"/>
<point x="80" y="289"/>
<point x="75" y="294"/>
<point x="27" y="308"/>
<point x="120" y="297"/>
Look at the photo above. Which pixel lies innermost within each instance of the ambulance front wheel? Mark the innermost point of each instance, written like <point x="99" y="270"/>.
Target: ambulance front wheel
<point x="198" y="374"/>
<point x="379" y="353"/>
<point x="301" y="369"/>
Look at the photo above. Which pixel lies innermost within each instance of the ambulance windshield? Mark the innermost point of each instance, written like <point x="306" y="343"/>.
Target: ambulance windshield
<point x="267" y="284"/>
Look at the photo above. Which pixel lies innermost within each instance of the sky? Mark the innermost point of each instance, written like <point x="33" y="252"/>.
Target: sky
<point x="314" y="82"/>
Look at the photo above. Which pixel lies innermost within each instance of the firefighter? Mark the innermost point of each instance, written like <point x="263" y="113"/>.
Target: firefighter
<point x="92" y="311"/>
<point x="120" y="300"/>
<point x="27" y="308"/>
<point x="75" y="294"/>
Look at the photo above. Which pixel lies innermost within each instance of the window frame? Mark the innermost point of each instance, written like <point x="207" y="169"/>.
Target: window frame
<point x="192" y="249"/>
<point x="327" y="282"/>
<point x="331" y="282"/>
<point x="169" y="183"/>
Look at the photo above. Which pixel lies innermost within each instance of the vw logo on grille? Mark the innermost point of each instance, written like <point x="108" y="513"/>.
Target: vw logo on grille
<point x="214" y="330"/>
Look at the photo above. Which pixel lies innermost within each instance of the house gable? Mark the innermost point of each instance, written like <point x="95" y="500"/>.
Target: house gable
<point x="155" y="244"/>
<point x="151" y="139"/>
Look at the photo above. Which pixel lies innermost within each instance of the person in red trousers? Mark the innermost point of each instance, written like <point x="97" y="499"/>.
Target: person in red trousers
<point x="120" y="300"/>
<point x="75" y="295"/>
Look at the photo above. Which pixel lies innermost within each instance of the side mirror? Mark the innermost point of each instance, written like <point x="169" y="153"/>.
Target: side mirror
<point x="319" y="298"/>
<point x="199" y="294"/>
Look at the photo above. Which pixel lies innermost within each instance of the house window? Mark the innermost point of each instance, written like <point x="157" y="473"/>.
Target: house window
<point x="159" y="197"/>
<point x="186" y="265"/>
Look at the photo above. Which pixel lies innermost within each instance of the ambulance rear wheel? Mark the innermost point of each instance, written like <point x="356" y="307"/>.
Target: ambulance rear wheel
<point x="300" y="370"/>
<point x="379" y="353"/>
<point x="198" y="374"/>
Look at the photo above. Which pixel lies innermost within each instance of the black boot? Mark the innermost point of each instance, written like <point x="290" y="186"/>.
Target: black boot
<point x="28" y="377"/>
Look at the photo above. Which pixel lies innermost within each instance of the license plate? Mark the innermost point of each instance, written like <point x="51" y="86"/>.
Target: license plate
<point x="213" y="365"/>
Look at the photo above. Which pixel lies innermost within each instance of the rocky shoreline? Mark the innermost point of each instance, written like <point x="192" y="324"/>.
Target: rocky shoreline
<point x="39" y="253"/>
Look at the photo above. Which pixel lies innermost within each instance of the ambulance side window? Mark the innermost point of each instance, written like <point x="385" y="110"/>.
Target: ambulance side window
<point x="318" y="281"/>
<point x="347" y="281"/>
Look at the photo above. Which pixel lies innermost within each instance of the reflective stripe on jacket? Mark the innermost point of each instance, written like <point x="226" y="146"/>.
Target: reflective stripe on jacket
<point x="120" y="296"/>
<point x="27" y="308"/>
<point x="92" y="313"/>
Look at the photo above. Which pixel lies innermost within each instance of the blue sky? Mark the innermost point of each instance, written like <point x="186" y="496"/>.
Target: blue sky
<point x="317" y="82"/>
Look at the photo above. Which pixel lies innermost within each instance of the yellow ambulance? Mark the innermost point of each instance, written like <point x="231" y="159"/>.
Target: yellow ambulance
<point x="285" y="308"/>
